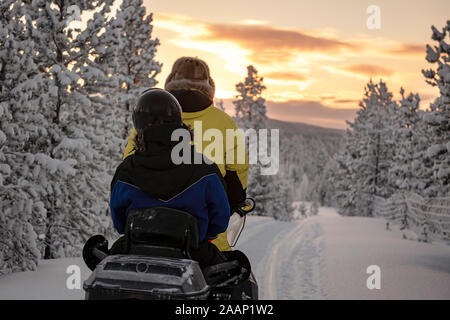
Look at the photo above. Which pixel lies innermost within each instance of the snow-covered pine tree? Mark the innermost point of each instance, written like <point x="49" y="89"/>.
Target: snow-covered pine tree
<point x="261" y="190"/>
<point x="304" y="187"/>
<point x="325" y="190"/>
<point x="368" y="153"/>
<point x="135" y="66"/>
<point x="438" y="117"/>
<point x="249" y="104"/>
<point x="272" y="194"/>
<point x="409" y="171"/>
<point x="75" y="195"/>
<point x="422" y="165"/>
<point x="292" y="151"/>
<point x="20" y="125"/>
<point x="380" y="152"/>
<point x="342" y="177"/>
<point x="281" y="206"/>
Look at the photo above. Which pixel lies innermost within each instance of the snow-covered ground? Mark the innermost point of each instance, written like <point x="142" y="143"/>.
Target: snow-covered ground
<point x="321" y="257"/>
<point x="49" y="282"/>
<point x="326" y="257"/>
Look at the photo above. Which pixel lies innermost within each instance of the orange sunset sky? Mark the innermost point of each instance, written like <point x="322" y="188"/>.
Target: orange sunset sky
<point x="315" y="56"/>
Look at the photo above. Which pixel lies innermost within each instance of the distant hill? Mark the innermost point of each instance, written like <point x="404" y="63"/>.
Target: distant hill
<point x="303" y="128"/>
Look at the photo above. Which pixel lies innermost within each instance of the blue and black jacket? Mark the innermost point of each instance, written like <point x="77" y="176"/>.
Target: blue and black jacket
<point x="151" y="179"/>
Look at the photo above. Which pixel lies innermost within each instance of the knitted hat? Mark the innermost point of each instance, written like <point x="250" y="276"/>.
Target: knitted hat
<point x="191" y="73"/>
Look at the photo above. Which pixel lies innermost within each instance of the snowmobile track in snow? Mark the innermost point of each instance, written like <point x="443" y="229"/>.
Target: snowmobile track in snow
<point x="288" y="266"/>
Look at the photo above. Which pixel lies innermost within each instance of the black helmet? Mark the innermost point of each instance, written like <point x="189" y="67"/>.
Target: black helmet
<point x="156" y="106"/>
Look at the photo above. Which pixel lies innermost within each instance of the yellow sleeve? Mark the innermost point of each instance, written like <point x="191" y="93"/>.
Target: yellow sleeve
<point x="129" y="149"/>
<point x="238" y="164"/>
<point x="221" y="242"/>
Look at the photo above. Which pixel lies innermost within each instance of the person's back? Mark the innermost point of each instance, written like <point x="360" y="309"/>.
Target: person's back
<point x="192" y="85"/>
<point x="148" y="178"/>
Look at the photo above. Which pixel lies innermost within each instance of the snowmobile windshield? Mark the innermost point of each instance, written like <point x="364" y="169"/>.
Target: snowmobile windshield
<point x="235" y="227"/>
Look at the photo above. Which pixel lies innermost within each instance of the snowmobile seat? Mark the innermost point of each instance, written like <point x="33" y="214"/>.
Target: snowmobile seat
<point x="161" y="231"/>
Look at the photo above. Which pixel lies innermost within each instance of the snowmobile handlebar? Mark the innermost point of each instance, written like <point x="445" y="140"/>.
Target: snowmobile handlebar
<point x="95" y="250"/>
<point x="99" y="253"/>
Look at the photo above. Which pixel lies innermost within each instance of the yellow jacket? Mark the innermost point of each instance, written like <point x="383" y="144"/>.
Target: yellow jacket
<point x="212" y="118"/>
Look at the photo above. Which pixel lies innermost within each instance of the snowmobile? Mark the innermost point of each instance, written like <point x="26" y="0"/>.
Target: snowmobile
<point x="157" y="265"/>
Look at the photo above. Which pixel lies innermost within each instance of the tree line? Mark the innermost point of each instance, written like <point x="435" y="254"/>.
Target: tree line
<point x="394" y="146"/>
<point x="66" y="95"/>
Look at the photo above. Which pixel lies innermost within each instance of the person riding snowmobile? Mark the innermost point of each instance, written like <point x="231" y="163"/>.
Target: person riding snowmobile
<point x="148" y="177"/>
<point x="191" y="83"/>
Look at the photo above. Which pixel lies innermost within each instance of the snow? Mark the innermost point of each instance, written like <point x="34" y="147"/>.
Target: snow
<point x="72" y="144"/>
<point x="436" y="149"/>
<point x="49" y="282"/>
<point x="55" y="164"/>
<point x="432" y="55"/>
<point x="326" y="257"/>
<point x="320" y="257"/>
<point x="3" y="137"/>
<point x="409" y="269"/>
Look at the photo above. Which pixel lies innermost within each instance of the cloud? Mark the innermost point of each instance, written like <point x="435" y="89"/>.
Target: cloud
<point x="292" y="62"/>
<point x="273" y="44"/>
<point x="266" y="37"/>
<point x="286" y="75"/>
<point x="265" y="44"/>
<point x="408" y="49"/>
<point x="253" y="22"/>
<point x="345" y="101"/>
<point x="368" y="70"/>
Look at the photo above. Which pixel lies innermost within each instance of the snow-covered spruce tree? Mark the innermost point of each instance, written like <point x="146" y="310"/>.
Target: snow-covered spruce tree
<point x="438" y="117"/>
<point x="368" y="153"/>
<point x="249" y="104"/>
<point x="75" y="196"/>
<point x="20" y="125"/>
<point x="281" y="206"/>
<point x="411" y="166"/>
<point x="261" y="189"/>
<point x="272" y="194"/>
<point x="304" y="187"/>
<point x="291" y="165"/>
<point x="322" y="163"/>
<point x="343" y="175"/>
<point x="381" y="149"/>
<point x="135" y="66"/>
<point x="325" y="189"/>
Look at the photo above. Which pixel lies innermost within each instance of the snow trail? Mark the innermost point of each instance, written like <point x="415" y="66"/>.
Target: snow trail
<point x="287" y="266"/>
<point x="326" y="257"/>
